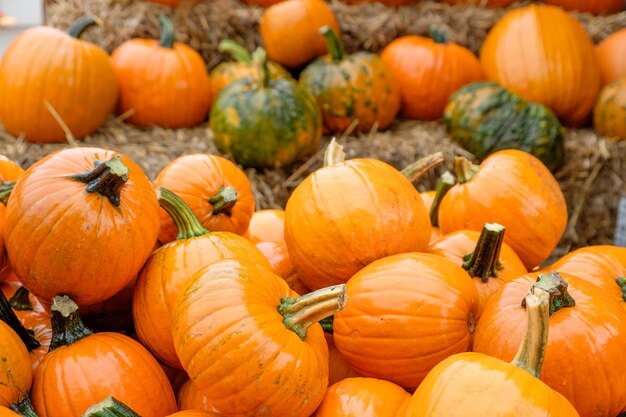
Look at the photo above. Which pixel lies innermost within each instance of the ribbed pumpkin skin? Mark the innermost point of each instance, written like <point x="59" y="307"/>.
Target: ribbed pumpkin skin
<point x="595" y="325"/>
<point x="488" y="3"/>
<point x="362" y="209"/>
<point x="278" y="257"/>
<point x="267" y="226"/>
<point x="227" y="73"/>
<point x="609" y="115"/>
<point x="405" y="314"/>
<point x="338" y="368"/>
<point x="595" y="7"/>
<point x="485" y="118"/>
<point x="98" y="366"/>
<point x="166" y="87"/>
<point x="427" y="73"/>
<point x="15" y="369"/>
<point x="546" y="56"/>
<point x="75" y="77"/>
<point x="514" y="189"/>
<point x="232" y="342"/>
<point x="190" y="398"/>
<point x="363" y="397"/>
<point x="164" y="275"/>
<point x="266" y="127"/>
<point x="195" y="179"/>
<point x="62" y="240"/>
<point x="359" y="87"/>
<point x="611" y="54"/>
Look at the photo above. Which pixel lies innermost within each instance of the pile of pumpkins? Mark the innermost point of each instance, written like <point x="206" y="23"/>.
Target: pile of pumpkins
<point x="538" y="68"/>
<point x="122" y="297"/>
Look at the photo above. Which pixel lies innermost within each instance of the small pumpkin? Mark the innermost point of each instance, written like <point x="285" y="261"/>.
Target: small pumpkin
<point x="609" y="115"/>
<point x="596" y="7"/>
<point x="46" y="73"/>
<point x="488" y="3"/>
<point x="81" y="221"/>
<point x="111" y="407"/>
<point x="278" y="257"/>
<point x="349" y="89"/>
<point x="290" y="30"/>
<point x="564" y="74"/>
<point x="485" y="118"/>
<point x="267" y="226"/>
<point x="218" y="192"/>
<point x="535" y="216"/>
<point x="611" y="54"/>
<point x="266" y="122"/>
<point x="15" y="368"/>
<point x="428" y="71"/>
<point x="190" y="398"/>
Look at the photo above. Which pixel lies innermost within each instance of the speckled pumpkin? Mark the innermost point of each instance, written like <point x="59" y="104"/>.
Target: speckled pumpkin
<point x="609" y="115"/>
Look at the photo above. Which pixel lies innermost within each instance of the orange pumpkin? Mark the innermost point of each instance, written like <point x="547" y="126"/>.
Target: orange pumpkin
<point x="535" y="215"/>
<point x="362" y="209"/>
<point x="237" y="318"/>
<point x="163" y="83"/>
<point x="484" y="256"/>
<point x="611" y="54"/>
<point x="46" y="73"/>
<point x="595" y="6"/>
<point x="81" y="221"/>
<point x="95" y="365"/>
<point x="582" y="319"/>
<point x="5" y="412"/>
<point x="165" y="272"/>
<point x="405" y="314"/>
<point x="338" y="368"/>
<point x="564" y="74"/>
<point x="267" y="226"/>
<point x="278" y="257"/>
<point x="428" y="71"/>
<point x="477" y="385"/>
<point x="190" y="398"/>
<point x="9" y="173"/>
<point x="15" y="369"/>
<point x="217" y="191"/>
<point x="609" y="115"/>
<point x="488" y="3"/>
<point x="363" y="397"/>
<point x="290" y="30"/>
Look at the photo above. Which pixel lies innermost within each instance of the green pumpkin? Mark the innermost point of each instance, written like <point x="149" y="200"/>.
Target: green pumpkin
<point x="264" y="122"/>
<point x="484" y="118"/>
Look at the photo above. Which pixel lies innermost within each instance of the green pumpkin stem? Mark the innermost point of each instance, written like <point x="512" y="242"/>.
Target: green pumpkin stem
<point x="465" y="170"/>
<point x="260" y="60"/>
<point x="334" y="154"/>
<point x="333" y="43"/>
<point x="110" y="407"/>
<point x="67" y="326"/>
<point x="8" y="316"/>
<point x="184" y="218"/>
<point x="20" y="300"/>
<point x="622" y="284"/>
<point x="422" y="166"/>
<point x="437" y="35"/>
<point x="557" y="287"/>
<point x="327" y="324"/>
<point x="77" y="29"/>
<point x="106" y="178"/>
<point x="24" y="408"/>
<point x="6" y="188"/>
<point x="302" y="312"/>
<point x="167" y="32"/>
<point x="484" y="262"/>
<point x="236" y="51"/>
<point x="224" y="201"/>
<point x="445" y="183"/>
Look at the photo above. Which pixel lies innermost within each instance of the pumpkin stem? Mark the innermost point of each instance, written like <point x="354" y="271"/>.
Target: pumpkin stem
<point x="327" y="324"/>
<point x="484" y="262"/>
<point x="236" y="51"/>
<point x="67" y="326"/>
<point x="445" y="183"/>
<point x="6" y="188"/>
<point x="557" y="287"/>
<point x="622" y="283"/>
<point x="185" y="219"/>
<point x="260" y="59"/>
<point x="465" y="170"/>
<point x="224" y="200"/>
<point x="77" y="29"/>
<point x="110" y="407"/>
<point x="333" y="43"/>
<point x="106" y="178"/>
<point x="8" y="316"/>
<point x="422" y="166"/>
<point x="302" y="312"/>
<point x="437" y="35"/>
<point x="167" y="32"/>
<point x="20" y="300"/>
<point x="24" y="408"/>
<point x="334" y="154"/>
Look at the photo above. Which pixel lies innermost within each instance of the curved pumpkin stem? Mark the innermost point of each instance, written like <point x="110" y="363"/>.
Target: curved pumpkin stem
<point x="67" y="326"/>
<point x="445" y="183"/>
<point x="622" y="283"/>
<point x="333" y="43"/>
<point x="302" y="312"/>
<point x="24" y="408"/>
<point x="260" y="60"/>
<point x="8" y="316"/>
<point x="422" y="166"/>
<point x="334" y="154"/>
<point x="20" y="300"/>
<point x="77" y="29"/>
<point x="110" y="407"/>
<point x="484" y="262"/>
<point x="106" y="178"/>
<point x="184" y="218"/>
<point x="167" y="32"/>
<point x="465" y="170"/>
<point x="224" y="201"/>
<point x="437" y="35"/>
<point x="236" y="51"/>
<point x="6" y="188"/>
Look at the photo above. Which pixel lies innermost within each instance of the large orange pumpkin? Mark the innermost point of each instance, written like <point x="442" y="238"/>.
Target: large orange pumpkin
<point x="428" y="71"/>
<point x="15" y="369"/>
<point x="217" y="191"/>
<point x="406" y="313"/>
<point x="609" y="115"/>
<point x="594" y="6"/>
<point x="46" y="73"/>
<point x="81" y="222"/>
<point x="611" y="54"/>
<point x="236" y="325"/>
<point x="514" y="189"/>
<point x="546" y="56"/>
<point x="163" y="83"/>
